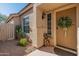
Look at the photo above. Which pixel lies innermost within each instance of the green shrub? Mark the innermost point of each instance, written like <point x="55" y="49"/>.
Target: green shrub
<point x="23" y="42"/>
<point x="19" y="33"/>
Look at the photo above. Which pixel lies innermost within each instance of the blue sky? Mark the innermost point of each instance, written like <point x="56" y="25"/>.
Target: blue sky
<point x="8" y="8"/>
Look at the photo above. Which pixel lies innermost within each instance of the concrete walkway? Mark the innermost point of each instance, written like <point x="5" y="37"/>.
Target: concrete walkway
<point x="40" y="53"/>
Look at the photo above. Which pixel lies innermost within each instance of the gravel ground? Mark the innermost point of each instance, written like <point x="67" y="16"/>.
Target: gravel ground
<point x="10" y="48"/>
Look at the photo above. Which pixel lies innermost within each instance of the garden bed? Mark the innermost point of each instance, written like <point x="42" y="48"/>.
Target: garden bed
<point x="10" y="48"/>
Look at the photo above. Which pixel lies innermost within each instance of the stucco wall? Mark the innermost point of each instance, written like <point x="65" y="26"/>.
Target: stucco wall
<point x="15" y="20"/>
<point x="39" y="28"/>
<point x="42" y="27"/>
<point x="78" y="28"/>
<point x="30" y="15"/>
<point x="34" y="28"/>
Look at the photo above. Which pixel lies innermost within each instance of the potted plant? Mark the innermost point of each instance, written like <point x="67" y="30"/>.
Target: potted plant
<point x="21" y="36"/>
<point x="65" y="23"/>
<point x="18" y="31"/>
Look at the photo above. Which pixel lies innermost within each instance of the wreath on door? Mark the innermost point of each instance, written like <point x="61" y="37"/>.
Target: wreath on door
<point x="65" y="23"/>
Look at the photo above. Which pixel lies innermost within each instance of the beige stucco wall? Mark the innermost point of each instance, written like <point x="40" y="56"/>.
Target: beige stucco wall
<point x="32" y="24"/>
<point x="77" y="12"/>
<point x="30" y="15"/>
<point x="15" y="20"/>
<point x="42" y="27"/>
<point x="34" y="30"/>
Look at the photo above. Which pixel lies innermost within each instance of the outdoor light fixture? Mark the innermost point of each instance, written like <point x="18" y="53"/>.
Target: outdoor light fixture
<point x="43" y="15"/>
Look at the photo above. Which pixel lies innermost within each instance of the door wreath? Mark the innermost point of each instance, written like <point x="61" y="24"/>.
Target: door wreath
<point x="65" y="23"/>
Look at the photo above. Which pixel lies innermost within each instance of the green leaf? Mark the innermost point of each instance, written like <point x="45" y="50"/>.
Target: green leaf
<point x="3" y="17"/>
<point x="64" y="22"/>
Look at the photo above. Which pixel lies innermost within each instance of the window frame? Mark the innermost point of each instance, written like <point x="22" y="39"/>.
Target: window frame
<point x="26" y="20"/>
<point x="49" y="28"/>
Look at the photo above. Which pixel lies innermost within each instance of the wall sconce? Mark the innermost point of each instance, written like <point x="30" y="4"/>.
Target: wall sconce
<point x="43" y="15"/>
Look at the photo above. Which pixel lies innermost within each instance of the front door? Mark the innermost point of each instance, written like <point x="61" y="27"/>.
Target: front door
<point x="70" y="41"/>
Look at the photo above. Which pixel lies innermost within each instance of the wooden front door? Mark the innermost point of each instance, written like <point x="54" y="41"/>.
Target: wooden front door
<point x="70" y="41"/>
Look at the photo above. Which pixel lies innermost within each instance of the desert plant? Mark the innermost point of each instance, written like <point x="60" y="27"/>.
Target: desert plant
<point x="18" y="31"/>
<point x="65" y="23"/>
<point x="21" y="36"/>
<point x="23" y="42"/>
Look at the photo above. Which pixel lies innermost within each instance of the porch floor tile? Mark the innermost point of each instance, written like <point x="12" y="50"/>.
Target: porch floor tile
<point x="40" y="53"/>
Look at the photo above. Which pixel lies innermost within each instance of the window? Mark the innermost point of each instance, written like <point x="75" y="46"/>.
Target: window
<point x="26" y="25"/>
<point x="49" y="23"/>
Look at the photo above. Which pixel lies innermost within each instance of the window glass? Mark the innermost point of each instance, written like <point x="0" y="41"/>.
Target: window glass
<point x="26" y="25"/>
<point x="49" y="23"/>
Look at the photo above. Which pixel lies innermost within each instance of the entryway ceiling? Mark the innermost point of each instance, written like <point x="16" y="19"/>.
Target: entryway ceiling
<point x="51" y="6"/>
